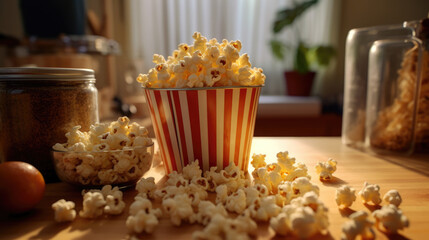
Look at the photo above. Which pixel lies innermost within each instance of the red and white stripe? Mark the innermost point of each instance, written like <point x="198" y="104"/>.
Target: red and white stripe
<point x="214" y="126"/>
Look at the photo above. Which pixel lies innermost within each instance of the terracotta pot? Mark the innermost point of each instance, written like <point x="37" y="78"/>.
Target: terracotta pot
<point x="299" y="84"/>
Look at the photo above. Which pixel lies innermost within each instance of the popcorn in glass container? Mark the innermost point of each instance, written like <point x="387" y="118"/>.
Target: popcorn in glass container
<point x="118" y="153"/>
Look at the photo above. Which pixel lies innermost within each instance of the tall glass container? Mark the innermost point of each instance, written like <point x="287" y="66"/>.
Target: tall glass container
<point x="394" y="81"/>
<point x="358" y="44"/>
<point x="398" y="93"/>
<point x="38" y="106"/>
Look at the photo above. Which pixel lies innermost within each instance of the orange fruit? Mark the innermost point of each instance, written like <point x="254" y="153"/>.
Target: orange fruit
<point x="21" y="186"/>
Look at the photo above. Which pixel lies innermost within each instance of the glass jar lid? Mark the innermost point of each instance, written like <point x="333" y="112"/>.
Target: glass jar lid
<point x="46" y="73"/>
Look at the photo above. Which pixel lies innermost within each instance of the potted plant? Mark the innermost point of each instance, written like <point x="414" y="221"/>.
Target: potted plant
<point x="299" y="80"/>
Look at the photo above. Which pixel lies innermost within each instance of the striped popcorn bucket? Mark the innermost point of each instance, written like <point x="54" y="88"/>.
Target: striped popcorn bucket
<point x="214" y="125"/>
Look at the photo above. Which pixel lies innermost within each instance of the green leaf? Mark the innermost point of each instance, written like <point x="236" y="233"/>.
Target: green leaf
<point x="324" y="54"/>
<point x="301" y="63"/>
<point x="288" y="16"/>
<point x="277" y="48"/>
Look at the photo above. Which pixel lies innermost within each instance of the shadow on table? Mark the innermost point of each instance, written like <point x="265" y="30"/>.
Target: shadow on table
<point x="418" y="162"/>
<point x="317" y="236"/>
<point x="372" y="208"/>
<point x="346" y="212"/>
<point x="334" y="182"/>
<point x="52" y="229"/>
<point x="395" y="236"/>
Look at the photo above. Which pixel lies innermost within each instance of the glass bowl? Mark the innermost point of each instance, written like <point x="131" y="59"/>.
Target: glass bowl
<point x="98" y="168"/>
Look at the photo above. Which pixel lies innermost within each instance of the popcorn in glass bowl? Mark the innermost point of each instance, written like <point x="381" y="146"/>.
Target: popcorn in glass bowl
<point x="119" y="153"/>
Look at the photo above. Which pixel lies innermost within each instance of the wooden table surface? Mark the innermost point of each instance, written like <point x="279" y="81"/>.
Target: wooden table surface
<point x="409" y="175"/>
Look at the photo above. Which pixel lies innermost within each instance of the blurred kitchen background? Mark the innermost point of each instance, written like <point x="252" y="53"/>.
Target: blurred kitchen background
<point x="118" y="38"/>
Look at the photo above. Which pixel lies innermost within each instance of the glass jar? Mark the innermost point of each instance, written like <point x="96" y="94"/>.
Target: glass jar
<point x="38" y="106"/>
<point x="397" y="109"/>
<point x="358" y="44"/>
<point x="393" y="85"/>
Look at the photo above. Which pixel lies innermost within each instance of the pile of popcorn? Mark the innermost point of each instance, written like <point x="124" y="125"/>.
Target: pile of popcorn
<point x="206" y="63"/>
<point x="96" y="202"/>
<point x="389" y="219"/>
<point x="281" y="194"/>
<point x="109" y="153"/>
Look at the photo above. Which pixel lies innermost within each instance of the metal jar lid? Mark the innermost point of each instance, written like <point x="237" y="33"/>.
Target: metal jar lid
<point x="45" y="73"/>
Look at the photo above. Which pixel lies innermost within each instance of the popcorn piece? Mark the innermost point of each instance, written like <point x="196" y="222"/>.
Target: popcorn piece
<point x="192" y="170"/>
<point x="236" y="202"/>
<point x="285" y="192"/>
<point x="177" y="185"/>
<point x="196" y="193"/>
<point x="200" y="182"/>
<point x="302" y="185"/>
<point x="221" y="227"/>
<point x="299" y="171"/>
<point x="326" y="169"/>
<point x="358" y="225"/>
<point x="170" y="192"/>
<point x="114" y="203"/>
<point x="370" y="193"/>
<point x="262" y="209"/>
<point x="163" y="74"/>
<point x="179" y="208"/>
<point x="142" y="221"/>
<point x="64" y="210"/>
<point x="76" y="136"/>
<point x="59" y="147"/>
<point x="290" y="169"/>
<point x="302" y="222"/>
<point x="143" y="204"/>
<point x="221" y="194"/>
<point x="93" y="204"/>
<point x="107" y="176"/>
<point x="213" y="76"/>
<point x="85" y="170"/>
<point x="393" y="197"/>
<point x="206" y="210"/>
<point x="146" y="187"/>
<point x="262" y="189"/>
<point x="107" y="190"/>
<point x="269" y="176"/>
<point x="389" y="219"/>
<point x="117" y="141"/>
<point x="214" y="177"/>
<point x="311" y="199"/>
<point x="176" y="179"/>
<point x="258" y="160"/>
<point x="251" y="195"/>
<point x="233" y="185"/>
<point x="280" y="224"/>
<point x="231" y="176"/>
<point x="260" y="175"/>
<point x="232" y="172"/>
<point x="286" y="162"/>
<point x="122" y="165"/>
<point x="280" y="200"/>
<point x="274" y="177"/>
<point x="303" y="218"/>
<point x="345" y="196"/>
<point x="245" y="223"/>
